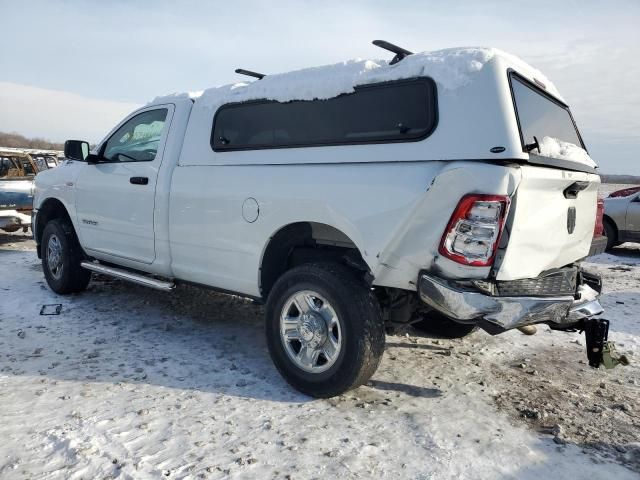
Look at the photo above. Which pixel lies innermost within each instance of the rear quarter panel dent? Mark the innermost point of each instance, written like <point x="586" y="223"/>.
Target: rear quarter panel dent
<point x="415" y="242"/>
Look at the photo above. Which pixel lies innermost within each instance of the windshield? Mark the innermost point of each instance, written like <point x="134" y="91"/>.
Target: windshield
<point x="540" y="116"/>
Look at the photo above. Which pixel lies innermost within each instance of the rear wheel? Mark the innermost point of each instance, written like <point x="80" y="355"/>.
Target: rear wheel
<point x="435" y="323"/>
<point x="610" y="232"/>
<point x="61" y="257"/>
<point x="324" y="329"/>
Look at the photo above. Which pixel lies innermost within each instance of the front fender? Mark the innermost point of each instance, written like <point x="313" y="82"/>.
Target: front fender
<point x="58" y="183"/>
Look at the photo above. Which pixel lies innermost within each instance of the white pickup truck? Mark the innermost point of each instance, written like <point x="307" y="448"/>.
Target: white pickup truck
<point x="447" y="189"/>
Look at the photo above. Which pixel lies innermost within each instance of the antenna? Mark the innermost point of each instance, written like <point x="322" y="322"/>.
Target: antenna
<point x="249" y="73"/>
<point x="399" y="51"/>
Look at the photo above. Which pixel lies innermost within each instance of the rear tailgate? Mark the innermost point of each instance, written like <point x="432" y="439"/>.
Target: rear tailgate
<point x="548" y="226"/>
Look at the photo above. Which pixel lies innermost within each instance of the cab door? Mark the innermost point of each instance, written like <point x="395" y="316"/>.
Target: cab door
<point x="115" y="197"/>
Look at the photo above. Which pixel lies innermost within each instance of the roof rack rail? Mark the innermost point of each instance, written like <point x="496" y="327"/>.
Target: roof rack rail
<point x="399" y="51"/>
<point x="249" y="73"/>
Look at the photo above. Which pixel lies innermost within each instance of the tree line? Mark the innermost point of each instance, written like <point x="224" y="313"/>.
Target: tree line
<point x="15" y="140"/>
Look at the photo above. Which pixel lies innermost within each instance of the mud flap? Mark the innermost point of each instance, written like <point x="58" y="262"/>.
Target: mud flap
<point x="600" y="351"/>
<point x="596" y="332"/>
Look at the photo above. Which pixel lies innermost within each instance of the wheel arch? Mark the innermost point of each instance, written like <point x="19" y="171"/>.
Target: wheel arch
<point x="607" y="219"/>
<point x="302" y="242"/>
<point x="50" y="209"/>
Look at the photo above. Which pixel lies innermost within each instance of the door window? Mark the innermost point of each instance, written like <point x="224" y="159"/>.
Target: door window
<point x="13" y="167"/>
<point x="138" y="139"/>
<point x="6" y="165"/>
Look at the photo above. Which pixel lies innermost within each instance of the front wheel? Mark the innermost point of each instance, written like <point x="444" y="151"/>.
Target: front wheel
<point x="61" y="257"/>
<point x="324" y="329"/>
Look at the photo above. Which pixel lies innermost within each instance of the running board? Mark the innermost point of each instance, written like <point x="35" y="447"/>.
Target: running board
<point x="129" y="276"/>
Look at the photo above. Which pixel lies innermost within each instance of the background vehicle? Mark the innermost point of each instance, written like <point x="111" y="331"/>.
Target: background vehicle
<point x="45" y="159"/>
<point x="17" y="171"/>
<point x="622" y="217"/>
<point x="345" y="199"/>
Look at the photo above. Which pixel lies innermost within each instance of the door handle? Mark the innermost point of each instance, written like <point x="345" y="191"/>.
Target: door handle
<point x="139" y="180"/>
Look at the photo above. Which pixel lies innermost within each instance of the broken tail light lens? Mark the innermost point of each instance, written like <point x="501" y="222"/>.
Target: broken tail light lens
<point x="474" y="230"/>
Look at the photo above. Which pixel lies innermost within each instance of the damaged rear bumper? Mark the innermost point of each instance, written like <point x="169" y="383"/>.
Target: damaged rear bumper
<point x="499" y="313"/>
<point x="598" y="245"/>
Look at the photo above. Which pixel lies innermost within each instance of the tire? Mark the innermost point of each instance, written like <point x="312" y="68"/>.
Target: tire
<point x="610" y="232"/>
<point x="330" y="311"/>
<point x="435" y="323"/>
<point x="64" y="273"/>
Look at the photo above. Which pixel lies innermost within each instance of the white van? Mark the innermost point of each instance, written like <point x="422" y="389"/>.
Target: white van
<point x="447" y="189"/>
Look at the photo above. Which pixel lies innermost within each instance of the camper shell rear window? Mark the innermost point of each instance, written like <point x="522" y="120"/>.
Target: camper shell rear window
<point x="398" y="111"/>
<point x="541" y="115"/>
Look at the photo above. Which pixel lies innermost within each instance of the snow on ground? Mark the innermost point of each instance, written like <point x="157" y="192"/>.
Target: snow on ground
<point x="132" y="383"/>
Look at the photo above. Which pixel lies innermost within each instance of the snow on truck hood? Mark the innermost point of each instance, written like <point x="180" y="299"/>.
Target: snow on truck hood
<point x="450" y="68"/>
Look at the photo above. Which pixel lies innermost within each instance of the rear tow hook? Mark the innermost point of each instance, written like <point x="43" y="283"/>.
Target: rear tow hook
<point x="600" y="351"/>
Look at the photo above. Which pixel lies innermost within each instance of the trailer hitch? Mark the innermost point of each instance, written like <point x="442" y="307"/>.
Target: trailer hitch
<point x="600" y="351"/>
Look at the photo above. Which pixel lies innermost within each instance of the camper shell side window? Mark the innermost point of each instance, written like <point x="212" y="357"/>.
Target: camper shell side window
<point x="397" y="111"/>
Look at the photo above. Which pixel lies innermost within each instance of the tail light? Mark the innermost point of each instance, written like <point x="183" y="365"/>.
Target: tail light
<point x="599" y="229"/>
<point x="474" y="230"/>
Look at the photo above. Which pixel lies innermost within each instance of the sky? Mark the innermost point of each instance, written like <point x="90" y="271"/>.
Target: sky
<point x="72" y="69"/>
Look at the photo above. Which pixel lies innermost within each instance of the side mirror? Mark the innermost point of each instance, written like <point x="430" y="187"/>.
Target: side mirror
<point x="76" y="150"/>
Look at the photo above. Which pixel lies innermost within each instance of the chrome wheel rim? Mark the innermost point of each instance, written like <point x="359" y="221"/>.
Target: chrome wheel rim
<point x="54" y="256"/>
<point x="310" y="331"/>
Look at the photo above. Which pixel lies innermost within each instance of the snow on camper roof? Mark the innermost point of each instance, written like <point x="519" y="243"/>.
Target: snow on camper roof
<point x="451" y="69"/>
